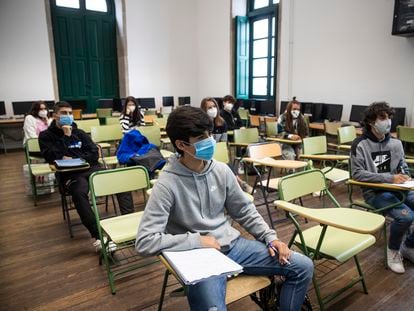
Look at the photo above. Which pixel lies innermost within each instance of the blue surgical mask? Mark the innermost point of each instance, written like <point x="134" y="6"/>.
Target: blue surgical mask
<point x="205" y="149"/>
<point x="383" y="126"/>
<point x="66" y="119"/>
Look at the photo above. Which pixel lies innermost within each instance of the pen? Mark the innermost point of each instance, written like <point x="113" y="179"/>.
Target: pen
<point x="269" y="245"/>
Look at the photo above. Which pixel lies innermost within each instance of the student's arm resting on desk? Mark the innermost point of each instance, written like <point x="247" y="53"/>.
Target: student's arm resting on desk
<point x="242" y="210"/>
<point x="152" y="237"/>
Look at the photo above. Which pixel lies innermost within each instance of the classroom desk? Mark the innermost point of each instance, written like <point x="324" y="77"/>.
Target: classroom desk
<point x="272" y="182"/>
<point x="409" y="161"/>
<point x="94" y="115"/>
<point x="69" y="169"/>
<point x="379" y="186"/>
<point x="331" y="172"/>
<point x="284" y="140"/>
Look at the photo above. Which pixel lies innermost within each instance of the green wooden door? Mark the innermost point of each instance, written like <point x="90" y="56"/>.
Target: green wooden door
<point x="85" y="50"/>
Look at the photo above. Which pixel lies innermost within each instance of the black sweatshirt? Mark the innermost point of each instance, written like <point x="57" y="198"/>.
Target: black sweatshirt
<point x="54" y="145"/>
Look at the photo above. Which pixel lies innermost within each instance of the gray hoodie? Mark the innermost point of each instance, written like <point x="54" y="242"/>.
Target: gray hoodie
<point x="184" y="205"/>
<point x="376" y="161"/>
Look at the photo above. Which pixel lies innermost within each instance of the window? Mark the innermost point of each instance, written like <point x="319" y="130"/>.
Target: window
<point x="96" y="5"/>
<point x="257" y="31"/>
<point x="73" y="4"/>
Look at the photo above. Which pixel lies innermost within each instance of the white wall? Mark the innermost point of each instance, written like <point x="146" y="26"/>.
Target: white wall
<point x="178" y="48"/>
<point x="25" y="61"/>
<point x="343" y="52"/>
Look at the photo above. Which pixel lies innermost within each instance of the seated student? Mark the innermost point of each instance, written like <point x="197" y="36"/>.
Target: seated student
<point x="377" y="157"/>
<point x="131" y="115"/>
<point x="230" y="115"/>
<point x="294" y="127"/>
<point x="63" y="140"/>
<point x="190" y="207"/>
<point x="210" y="106"/>
<point x="36" y="121"/>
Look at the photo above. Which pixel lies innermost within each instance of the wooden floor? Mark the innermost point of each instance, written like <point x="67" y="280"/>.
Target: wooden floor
<point x="42" y="268"/>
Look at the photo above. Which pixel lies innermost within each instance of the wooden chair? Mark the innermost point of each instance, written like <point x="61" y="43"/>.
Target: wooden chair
<point x="406" y="135"/>
<point x="346" y="136"/>
<point x="244" y="116"/>
<point x="340" y="233"/>
<point x="331" y="132"/>
<point x="121" y="230"/>
<point x="102" y="113"/>
<point x="77" y="114"/>
<point x="254" y="120"/>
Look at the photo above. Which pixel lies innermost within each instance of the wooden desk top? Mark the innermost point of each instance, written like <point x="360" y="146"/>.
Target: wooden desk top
<point x="383" y="186"/>
<point x="409" y="161"/>
<point x="332" y="157"/>
<point x="287" y="164"/>
<point x="11" y="121"/>
<point x="349" y="219"/>
<point x="284" y="140"/>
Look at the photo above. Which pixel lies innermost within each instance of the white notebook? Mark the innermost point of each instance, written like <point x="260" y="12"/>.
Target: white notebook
<point x="408" y="184"/>
<point x="198" y="264"/>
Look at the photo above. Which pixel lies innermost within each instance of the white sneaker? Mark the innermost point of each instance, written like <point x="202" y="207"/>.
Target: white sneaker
<point x="395" y="261"/>
<point x="407" y="252"/>
<point x="98" y="245"/>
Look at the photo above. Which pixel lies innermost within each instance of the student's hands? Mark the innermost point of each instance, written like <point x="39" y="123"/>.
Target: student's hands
<point x="282" y="249"/>
<point x="209" y="241"/>
<point x="295" y="137"/>
<point x="67" y="130"/>
<point x="400" y="178"/>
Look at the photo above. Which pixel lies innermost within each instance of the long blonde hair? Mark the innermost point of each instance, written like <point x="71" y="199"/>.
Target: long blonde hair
<point x="218" y="120"/>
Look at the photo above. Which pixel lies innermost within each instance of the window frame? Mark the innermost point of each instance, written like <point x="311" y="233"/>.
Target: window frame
<point x="253" y="15"/>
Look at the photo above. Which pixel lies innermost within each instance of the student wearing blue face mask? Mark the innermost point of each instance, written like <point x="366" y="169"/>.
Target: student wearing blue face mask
<point x="190" y="207"/>
<point x="63" y="140"/>
<point x="377" y="157"/>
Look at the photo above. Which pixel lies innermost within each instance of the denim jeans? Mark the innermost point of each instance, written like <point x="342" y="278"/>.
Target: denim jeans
<point x="255" y="259"/>
<point x="403" y="215"/>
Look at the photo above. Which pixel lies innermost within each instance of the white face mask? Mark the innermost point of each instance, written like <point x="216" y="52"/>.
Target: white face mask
<point x="228" y="106"/>
<point x="295" y="113"/>
<point x="383" y="126"/>
<point x="212" y="112"/>
<point x="131" y="109"/>
<point x="42" y="114"/>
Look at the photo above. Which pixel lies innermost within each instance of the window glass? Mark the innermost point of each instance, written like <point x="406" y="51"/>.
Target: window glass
<point x="96" y="5"/>
<point x="260" y="67"/>
<point x="260" y="4"/>
<point x="272" y="70"/>
<point x="260" y="48"/>
<point x="273" y="46"/>
<point x="74" y="4"/>
<point x="275" y="1"/>
<point x="273" y="27"/>
<point x="259" y="86"/>
<point x="260" y="28"/>
<point x="271" y="86"/>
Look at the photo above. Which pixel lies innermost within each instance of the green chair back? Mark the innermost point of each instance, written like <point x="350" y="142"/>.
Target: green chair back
<point x="248" y="136"/>
<point x="405" y="134"/>
<point x="271" y="128"/>
<point x="314" y="145"/>
<point x="152" y="133"/>
<point x="331" y="128"/>
<point x="346" y="134"/>
<point x="150" y="112"/>
<point x="111" y="120"/>
<point x="297" y="185"/>
<point x="103" y="112"/>
<point x="118" y="180"/>
<point x="85" y="125"/>
<point x="244" y="116"/>
<point x="221" y="153"/>
<point x="106" y="133"/>
<point x="32" y="145"/>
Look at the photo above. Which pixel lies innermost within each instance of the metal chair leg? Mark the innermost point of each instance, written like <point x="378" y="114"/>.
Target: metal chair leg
<point x="164" y="287"/>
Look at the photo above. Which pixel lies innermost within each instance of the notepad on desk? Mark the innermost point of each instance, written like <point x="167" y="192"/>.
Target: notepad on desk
<point x="195" y="265"/>
<point x="69" y="163"/>
<point x="408" y="184"/>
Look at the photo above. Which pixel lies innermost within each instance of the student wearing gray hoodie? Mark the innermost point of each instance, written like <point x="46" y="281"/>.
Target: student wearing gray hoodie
<point x="379" y="158"/>
<point x="189" y="208"/>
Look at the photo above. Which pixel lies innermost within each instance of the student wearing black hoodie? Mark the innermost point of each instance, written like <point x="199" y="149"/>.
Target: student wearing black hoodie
<point x="63" y="140"/>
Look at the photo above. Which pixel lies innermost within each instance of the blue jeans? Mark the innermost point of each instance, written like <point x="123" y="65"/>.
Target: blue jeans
<point x="255" y="259"/>
<point x="403" y="215"/>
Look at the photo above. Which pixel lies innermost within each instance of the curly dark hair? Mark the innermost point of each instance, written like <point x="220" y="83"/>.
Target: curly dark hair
<point x="375" y="110"/>
<point x="185" y="122"/>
